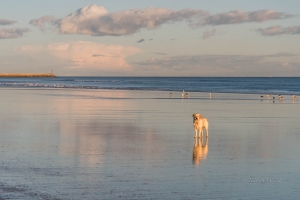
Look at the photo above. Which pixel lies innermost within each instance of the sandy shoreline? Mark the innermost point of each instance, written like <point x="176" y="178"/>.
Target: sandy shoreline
<point x="109" y="144"/>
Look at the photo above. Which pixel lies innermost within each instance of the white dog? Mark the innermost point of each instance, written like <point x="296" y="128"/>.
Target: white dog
<point x="199" y="123"/>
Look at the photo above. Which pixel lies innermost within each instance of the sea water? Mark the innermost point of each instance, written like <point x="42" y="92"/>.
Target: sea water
<point x="241" y="85"/>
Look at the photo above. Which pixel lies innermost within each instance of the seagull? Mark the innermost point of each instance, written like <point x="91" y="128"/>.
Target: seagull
<point x="182" y="93"/>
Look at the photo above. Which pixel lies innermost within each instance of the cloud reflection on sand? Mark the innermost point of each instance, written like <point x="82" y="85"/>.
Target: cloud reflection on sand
<point x="92" y="128"/>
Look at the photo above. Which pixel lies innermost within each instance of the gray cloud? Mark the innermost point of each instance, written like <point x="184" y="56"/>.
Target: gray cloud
<point x="278" y="30"/>
<point x="223" y="65"/>
<point x="208" y="34"/>
<point x="95" y="20"/>
<point x="6" y="33"/>
<point x="6" y="22"/>
<point x="40" y="22"/>
<point x="141" y="40"/>
<point x="102" y="55"/>
<point x="161" y="54"/>
<point x="98" y="55"/>
<point x="282" y="54"/>
<point x="238" y="17"/>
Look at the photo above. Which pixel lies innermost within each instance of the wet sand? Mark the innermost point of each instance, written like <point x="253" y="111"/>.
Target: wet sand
<point x="104" y="144"/>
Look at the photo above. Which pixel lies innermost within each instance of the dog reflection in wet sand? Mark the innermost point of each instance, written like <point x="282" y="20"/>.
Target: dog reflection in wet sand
<point x="199" y="123"/>
<point x="200" y="150"/>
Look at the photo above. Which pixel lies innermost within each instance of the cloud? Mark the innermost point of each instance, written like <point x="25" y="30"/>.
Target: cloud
<point x="77" y="57"/>
<point x="278" y="30"/>
<point x="159" y="53"/>
<point x="141" y="40"/>
<point x="6" y="22"/>
<point x="208" y="34"/>
<point x="282" y="54"/>
<point x="98" y="55"/>
<point x="5" y="63"/>
<point x="6" y="33"/>
<point x="40" y="22"/>
<point x="96" y="20"/>
<point x="222" y="65"/>
<point x="238" y="17"/>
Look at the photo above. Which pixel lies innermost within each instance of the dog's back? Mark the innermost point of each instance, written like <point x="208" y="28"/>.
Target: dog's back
<point x="204" y="123"/>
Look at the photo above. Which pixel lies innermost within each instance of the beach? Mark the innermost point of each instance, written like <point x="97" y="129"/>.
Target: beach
<point x="129" y="144"/>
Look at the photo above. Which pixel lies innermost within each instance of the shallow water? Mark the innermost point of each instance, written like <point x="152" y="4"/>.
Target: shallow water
<point x="110" y="144"/>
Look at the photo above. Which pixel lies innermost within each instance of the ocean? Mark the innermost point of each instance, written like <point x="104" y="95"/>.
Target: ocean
<point x="239" y="85"/>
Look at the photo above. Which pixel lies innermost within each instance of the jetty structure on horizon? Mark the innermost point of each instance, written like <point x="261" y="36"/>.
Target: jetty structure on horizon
<point x="26" y="75"/>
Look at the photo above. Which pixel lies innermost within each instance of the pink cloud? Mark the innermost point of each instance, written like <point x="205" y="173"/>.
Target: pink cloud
<point x="83" y="55"/>
<point x="6" y="33"/>
<point x="278" y="30"/>
<point x="40" y="22"/>
<point x="208" y="34"/>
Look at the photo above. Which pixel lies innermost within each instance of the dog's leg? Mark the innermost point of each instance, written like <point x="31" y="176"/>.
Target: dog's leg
<point x="195" y="133"/>
<point x="207" y="132"/>
<point x="200" y="133"/>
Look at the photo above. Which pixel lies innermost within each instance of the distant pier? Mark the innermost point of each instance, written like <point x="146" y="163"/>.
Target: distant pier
<point x="9" y="75"/>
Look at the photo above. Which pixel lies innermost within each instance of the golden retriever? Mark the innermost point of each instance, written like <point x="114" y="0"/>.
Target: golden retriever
<point x="199" y="123"/>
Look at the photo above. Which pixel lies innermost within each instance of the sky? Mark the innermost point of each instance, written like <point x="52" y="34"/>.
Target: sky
<point x="205" y="38"/>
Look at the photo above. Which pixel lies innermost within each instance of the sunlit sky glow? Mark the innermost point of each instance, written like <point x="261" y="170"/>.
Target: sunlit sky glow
<point x="151" y="38"/>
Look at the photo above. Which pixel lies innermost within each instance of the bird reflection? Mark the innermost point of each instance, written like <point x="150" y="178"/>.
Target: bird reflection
<point x="200" y="150"/>
<point x="294" y="98"/>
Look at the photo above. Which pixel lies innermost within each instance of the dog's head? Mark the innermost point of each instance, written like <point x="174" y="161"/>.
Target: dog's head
<point x="196" y="116"/>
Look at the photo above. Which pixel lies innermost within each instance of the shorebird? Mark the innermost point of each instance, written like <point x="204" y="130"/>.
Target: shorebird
<point x="184" y="94"/>
<point x="269" y="96"/>
<point x="170" y="94"/>
<point x="280" y="98"/>
<point x="210" y="95"/>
